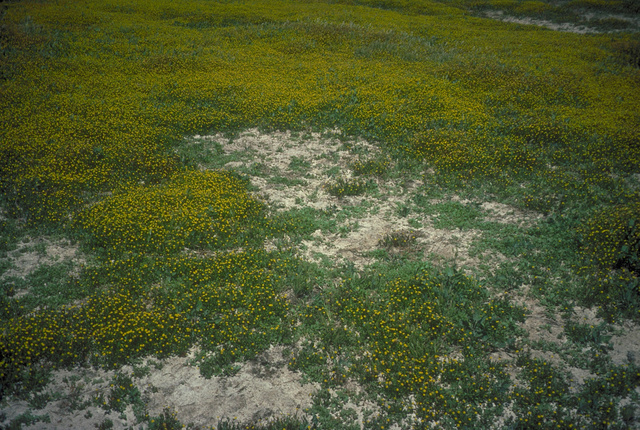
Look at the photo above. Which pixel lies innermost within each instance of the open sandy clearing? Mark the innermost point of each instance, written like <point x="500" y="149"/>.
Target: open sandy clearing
<point x="32" y="254"/>
<point x="262" y="389"/>
<point x="566" y="26"/>
<point x="310" y="162"/>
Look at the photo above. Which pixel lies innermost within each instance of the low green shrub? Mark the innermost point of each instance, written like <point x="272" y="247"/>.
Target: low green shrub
<point x="346" y="187"/>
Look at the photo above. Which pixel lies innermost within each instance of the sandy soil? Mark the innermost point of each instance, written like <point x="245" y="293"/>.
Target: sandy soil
<point x="565" y="26"/>
<point x="363" y="232"/>
<point x="25" y="259"/>
<point x="262" y="389"/>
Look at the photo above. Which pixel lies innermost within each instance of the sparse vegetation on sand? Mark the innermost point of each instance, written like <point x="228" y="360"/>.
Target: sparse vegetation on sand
<point x="319" y="214"/>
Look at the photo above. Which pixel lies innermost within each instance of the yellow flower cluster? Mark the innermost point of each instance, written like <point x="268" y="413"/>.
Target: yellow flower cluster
<point x="375" y="167"/>
<point x="400" y="334"/>
<point x="96" y="94"/>
<point x="611" y="237"/>
<point x="611" y="252"/>
<point x="199" y="209"/>
<point x="228" y="300"/>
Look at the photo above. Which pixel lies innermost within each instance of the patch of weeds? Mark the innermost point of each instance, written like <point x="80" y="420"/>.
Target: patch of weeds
<point x="218" y="364"/>
<point x="345" y="229"/>
<point x="584" y="334"/>
<point x="300" y="222"/>
<point x="599" y="399"/>
<point x="388" y="328"/>
<point x="403" y="210"/>
<point x="414" y="222"/>
<point x="8" y="288"/>
<point x="202" y="152"/>
<point x="543" y="384"/>
<point x="5" y="265"/>
<point x="628" y="51"/>
<point x="303" y="277"/>
<point x="311" y="359"/>
<point x="329" y="411"/>
<point x="9" y="233"/>
<point x="258" y="169"/>
<point x="283" y="180"/>
<point x="357" y="211"/>
<point x="333" y="171"/>
<point x="51" y="286"/>
<point x="40" y="248"/>
<point x="509" y="240"/>
<point x="506" y="278"/>
<point x="285" y="423"/>
<point x="27" y="419"/>
<point x="40" y="400"/>
<point x="611" y="238"/>
<point x="379" y="254"/>
<point x="610" y="248"/>
<point x="141" y="371"/>
<point x="165" y="421"/>
<point x="31" y="379"/>
<point x="453" y="215"/>
<point x="106" y="424"/>
<point x="158" y="365"/>
<point x="613" y="24"/>
<point x="342" y="187"/>
<point x="72" y="400"/>
<point x="122" y="393"/>
<point x="299" y="164"/>
<point x="399" y="239"/>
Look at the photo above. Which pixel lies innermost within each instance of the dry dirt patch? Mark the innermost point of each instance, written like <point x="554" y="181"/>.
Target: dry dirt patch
<point x="34" y="253"/>
<point x="505" y="214"/>
<point x="311" y="161"/>
<point x="262" y="389"/>
<point x="566" y="26"/>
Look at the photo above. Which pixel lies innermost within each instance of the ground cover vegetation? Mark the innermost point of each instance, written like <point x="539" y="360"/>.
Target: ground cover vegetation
<point x="182" y="255"/>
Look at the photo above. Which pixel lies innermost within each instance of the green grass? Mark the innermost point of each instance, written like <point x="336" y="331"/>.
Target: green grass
<point x="99" y="103"/>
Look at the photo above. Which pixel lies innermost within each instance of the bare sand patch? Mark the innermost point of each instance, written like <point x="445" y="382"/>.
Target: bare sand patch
<point x="263" y="389"/>
<point x="626" y="345"/>
<point x="36" y="252"/>
<point x="310" y="161"/>
<point x="499" y="212"/>
<point x="567" y="27"/>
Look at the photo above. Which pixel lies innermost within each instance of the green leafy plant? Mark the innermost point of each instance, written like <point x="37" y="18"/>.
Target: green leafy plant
<point x="122" y="393"/>
<point x="399" y="239"/>
<point x="346" y="187"/>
